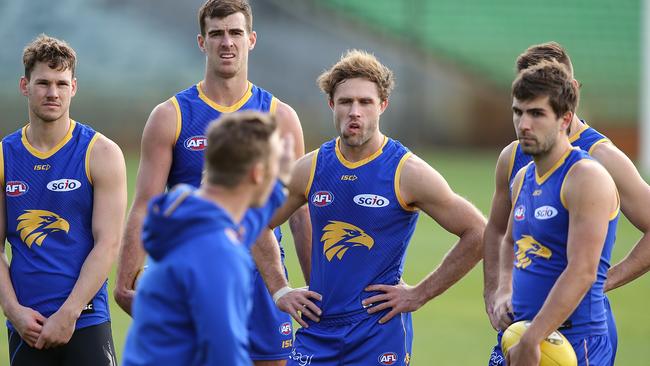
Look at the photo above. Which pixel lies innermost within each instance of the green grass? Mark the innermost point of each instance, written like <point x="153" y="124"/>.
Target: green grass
<point x="453" y="328"/>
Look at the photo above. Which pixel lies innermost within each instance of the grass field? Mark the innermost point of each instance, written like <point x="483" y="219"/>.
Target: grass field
<point x="453" y="329"/>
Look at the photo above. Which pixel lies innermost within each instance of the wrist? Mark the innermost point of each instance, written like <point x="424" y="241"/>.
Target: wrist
<point x="281" y="292"/>
<point x="69" y="311"/>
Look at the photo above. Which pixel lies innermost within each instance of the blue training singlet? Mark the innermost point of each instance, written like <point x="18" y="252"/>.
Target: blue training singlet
<point x="360" y="225"/>
<point x="49" y="206"/>
<point x="540" y="232"/>
<point x="586" y="139"/>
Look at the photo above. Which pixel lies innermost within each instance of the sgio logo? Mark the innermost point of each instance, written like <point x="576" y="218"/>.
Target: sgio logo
<point x="388" y="358"/>
<point x="196" y="143"/>
<point x="545" y="212"/>
<point x="322" y="198"/>
<point x="16" y="188"/>
<point x="371" y="200"/>
<point x="63" y="185"/>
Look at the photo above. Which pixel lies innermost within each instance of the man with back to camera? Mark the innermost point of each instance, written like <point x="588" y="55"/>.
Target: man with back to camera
<point x="173" y="144"/>
<point x="62" y="211"/>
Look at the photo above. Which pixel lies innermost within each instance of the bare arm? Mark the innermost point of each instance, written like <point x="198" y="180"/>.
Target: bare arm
<point x="590" y="196"/>
<point x="155" y="161"/>
<point x="267" y="253"/>
<point x="299" y="222"/>
<point x="635" y="196"/>
<point x="108" y="173"/>
<point x="496" y="229"/>
<point x="28" y="322"/>
<point x="454" y="214"/>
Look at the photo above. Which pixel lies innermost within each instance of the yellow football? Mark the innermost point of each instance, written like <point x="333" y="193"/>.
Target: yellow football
<point x="556" y="349"/>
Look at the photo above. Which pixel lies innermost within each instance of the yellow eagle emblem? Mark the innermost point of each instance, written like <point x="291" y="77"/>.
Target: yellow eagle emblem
<point x="339" y="236"/>
<point x="35" y="225"/>
<point x="527" y="246"/>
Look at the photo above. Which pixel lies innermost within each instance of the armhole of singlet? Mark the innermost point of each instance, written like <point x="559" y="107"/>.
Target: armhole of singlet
<point x="179" y="119"/>
<point x="2" y="168"/>
<point x="591" y="149"/>
<point x="398" y="175"/>
<point x="516" y="189"/>
<point x="511" y="163"/>
<point x="312" y="171"/>
<point x="562" y="199"/>
<point x="89" y="150"/>
<point x="274" y="106"/>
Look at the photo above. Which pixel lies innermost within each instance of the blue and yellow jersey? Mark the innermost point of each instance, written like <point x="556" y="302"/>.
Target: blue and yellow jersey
<point x="49" y="209"/>
<point x="540" y="233"/>
<point x="194" y="113"/>
<point x="586" y="139"/>
<point x="361" y="226"/>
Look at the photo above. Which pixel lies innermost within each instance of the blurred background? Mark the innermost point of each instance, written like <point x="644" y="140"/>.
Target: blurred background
<point x="453" y="61"/>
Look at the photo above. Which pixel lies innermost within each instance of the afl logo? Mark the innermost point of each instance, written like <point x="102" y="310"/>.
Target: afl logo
<point x="16" y="188"/>
<point x="285" y="328"/>
<point x="545" y="212"/>
<point x="520" y="212"/>
<point x="196" y="143"/>
<point x="322" y="198"/>
<point x="63" y="185"/>
<point x="388" y="358"/>
<point x="371" y="200"/>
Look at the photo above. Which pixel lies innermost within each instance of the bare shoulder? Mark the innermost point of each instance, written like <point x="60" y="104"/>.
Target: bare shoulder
<point x="163" y="124"/>
<point x="420" y="182"/>
<point x="106" y="160"/>
<point x="587" y="176"/>
<point x="285" y="113"/>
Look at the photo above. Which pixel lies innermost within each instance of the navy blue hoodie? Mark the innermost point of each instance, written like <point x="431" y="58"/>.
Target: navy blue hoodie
<point x="193" y="301"/>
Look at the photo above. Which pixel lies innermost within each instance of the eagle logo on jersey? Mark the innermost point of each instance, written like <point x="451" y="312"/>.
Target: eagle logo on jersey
<point x="339" y="236"/>
<point x="35" y="225"/>
<point x="527" y="246"/>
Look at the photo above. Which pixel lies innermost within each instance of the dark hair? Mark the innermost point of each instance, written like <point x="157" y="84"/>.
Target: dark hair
<point x="236" y="141"/>
<point x="548" y="51"/>
<point x="223" y="8"/>
<point x="56" y="53"/>
<point x="548" y="78"/>
<point x="357" y="64"/>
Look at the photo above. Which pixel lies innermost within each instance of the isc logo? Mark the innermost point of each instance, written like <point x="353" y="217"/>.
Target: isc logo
<point x="388" y="358"/>
<point x="196" y="143"/>
<point x="16" y="188"/>
<point x="371" y="200"/>
<point x="63" y="185"/>
<point x="350" y="178"/>
<point x="42" y="167"/>
<point x="285" y="328"/>
<point x="322" y="198"/>
<point x="287" y="343"/>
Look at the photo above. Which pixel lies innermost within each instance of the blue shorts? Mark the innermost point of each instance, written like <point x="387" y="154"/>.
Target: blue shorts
<point x="357" y="340"/>
<point x="497" y="359"/>
<point x="270" y="329"/>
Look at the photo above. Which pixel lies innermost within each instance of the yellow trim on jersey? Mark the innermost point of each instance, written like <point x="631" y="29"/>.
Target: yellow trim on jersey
<point x="618" y="207"/>
<point x="88" y="150"/>
<point x="351" y="165"/>
<point x="511" y="164"/>
<point x="274" y="106"/>
<point x="2" y="168"/>
<point x="398" y="174"/>
<point x="52" y="151"/>
<point x="517" y="188"/>
<point x="179" y="119"/>
<point x="226" y="109"/>
<point x="543" y="178"/>
<point x="576" y="135"/>
<point x="312" y="171"/>
<point x="591" y="149"/>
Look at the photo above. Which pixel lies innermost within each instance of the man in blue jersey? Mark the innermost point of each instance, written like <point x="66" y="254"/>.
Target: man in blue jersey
<point x="632" y="189"/>
<point x="62" y="211"/>
<point x="195" y="298"/>
<point x="364" y="192"/>
<point x="173" y="144"/>
<point x="562" y="226"/>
